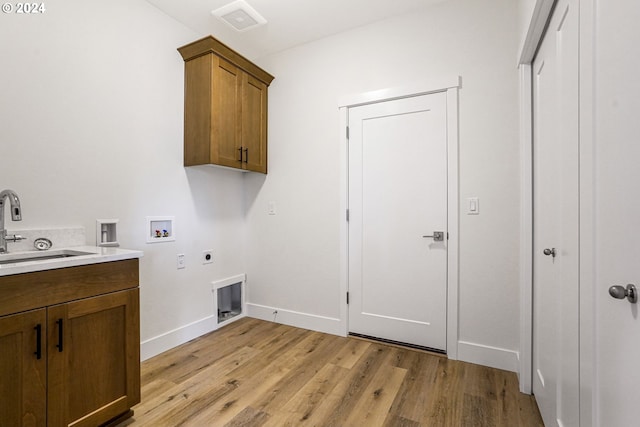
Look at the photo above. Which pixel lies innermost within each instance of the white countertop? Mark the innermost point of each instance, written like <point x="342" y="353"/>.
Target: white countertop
<point x="97" y="255"/>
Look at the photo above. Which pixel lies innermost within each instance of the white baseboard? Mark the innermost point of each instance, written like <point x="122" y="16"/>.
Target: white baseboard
<point x="161" y="343"/>
<point x="493" y="357"/>
<point x="312" y="322"/>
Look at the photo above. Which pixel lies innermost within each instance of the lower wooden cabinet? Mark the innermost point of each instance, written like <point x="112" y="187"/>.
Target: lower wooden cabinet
<point x="71" y="364"/>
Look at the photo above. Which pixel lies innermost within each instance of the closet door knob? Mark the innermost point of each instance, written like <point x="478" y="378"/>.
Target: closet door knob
<point x="630" y="292"/>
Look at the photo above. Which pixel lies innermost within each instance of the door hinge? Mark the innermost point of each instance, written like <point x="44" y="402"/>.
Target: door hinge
<point x="347" y="215"/>
<point x="347" y="132"/>
<point x="347" y="298"/>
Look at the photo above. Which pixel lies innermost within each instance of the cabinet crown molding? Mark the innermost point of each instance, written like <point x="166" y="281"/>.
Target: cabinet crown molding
<point x="209" y="44"/>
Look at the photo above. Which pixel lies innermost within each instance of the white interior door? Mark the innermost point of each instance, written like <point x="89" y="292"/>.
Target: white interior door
<point x="546" y="228"/>
<point x="556" y="220"/>
<point x="616" y="386"/>
<point x="397" y="196"/>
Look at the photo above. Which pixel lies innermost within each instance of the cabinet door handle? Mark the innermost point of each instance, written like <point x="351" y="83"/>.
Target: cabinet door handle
<point x="246" y="155"/>
<point x="240" y="150"/>
<point x="60" y="335"/>
<point x="38" y="351"/>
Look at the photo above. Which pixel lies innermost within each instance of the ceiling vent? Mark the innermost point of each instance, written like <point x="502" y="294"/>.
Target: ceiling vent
<point x="239" y="15"/>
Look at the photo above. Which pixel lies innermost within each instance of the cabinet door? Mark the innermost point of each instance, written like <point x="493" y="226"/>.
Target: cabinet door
<point x="254" y="123"/>
<point x="197" y="111"/>
<point x="94" y="359"/>
<point x="226" y="113"/>
<point x="23" y="369"/>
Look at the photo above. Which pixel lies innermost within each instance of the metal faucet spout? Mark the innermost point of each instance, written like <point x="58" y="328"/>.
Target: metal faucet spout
<point x="16" y="215"/>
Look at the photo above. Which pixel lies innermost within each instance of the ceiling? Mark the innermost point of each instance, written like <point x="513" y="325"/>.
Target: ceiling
<point x="289" y="22"/>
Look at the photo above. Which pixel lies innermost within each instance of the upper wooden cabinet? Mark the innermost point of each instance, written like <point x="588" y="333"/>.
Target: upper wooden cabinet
<point x="225" y="109"/>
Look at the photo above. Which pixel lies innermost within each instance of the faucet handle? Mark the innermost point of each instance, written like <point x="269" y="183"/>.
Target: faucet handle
<point x="14" y="237"/>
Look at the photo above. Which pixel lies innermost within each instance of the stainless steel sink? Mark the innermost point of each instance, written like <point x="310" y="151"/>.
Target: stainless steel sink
<point x="16" y="258"/>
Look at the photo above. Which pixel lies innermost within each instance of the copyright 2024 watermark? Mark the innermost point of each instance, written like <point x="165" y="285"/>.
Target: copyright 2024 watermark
<point x="24" y="8"/>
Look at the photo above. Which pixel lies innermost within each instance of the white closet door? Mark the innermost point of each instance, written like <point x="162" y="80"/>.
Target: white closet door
<point x="556" y="220"/>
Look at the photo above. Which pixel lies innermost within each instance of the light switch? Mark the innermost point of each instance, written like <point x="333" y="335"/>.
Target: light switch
<point x="473" y="206"/>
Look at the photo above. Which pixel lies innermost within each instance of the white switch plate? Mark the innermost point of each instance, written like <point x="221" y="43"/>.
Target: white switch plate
<point x="473" y="206"/>
<point x="207" y="256"/>
<point x="181" y="263"/>
<point x="271" y="208"/>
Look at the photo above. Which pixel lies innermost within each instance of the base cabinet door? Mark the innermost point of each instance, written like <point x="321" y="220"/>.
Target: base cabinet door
<point x="94" y="359"/>
<point x="23" y="369"/>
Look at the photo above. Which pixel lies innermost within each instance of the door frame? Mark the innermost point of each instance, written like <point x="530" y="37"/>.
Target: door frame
<point x="586" y="134"/>
<point x="450" y="85"/>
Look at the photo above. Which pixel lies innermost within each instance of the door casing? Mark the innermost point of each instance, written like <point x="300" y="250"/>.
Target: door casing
<point x="450" y="86"/>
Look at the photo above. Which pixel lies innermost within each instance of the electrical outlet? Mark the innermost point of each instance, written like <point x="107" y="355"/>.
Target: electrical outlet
<point x="181" y="263"/>
<point x="207" y="256"/>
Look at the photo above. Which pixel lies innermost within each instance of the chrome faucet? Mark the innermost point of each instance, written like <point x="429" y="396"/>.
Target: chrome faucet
<point x="16" y="215"/>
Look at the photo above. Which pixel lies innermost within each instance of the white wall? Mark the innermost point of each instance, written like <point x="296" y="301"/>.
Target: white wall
<point x="293" y="257"/>
<point x="91" y="127"/>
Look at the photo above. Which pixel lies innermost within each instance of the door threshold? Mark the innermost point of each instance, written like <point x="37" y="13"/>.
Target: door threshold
<point x="434" y="351"/>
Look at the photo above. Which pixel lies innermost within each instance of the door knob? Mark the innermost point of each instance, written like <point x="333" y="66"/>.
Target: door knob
<point x="620" y="292"/>
<point x="551" y="252"/>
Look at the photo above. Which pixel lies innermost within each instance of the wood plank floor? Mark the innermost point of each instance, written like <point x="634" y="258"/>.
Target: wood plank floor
<point x="257" y="373"/>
